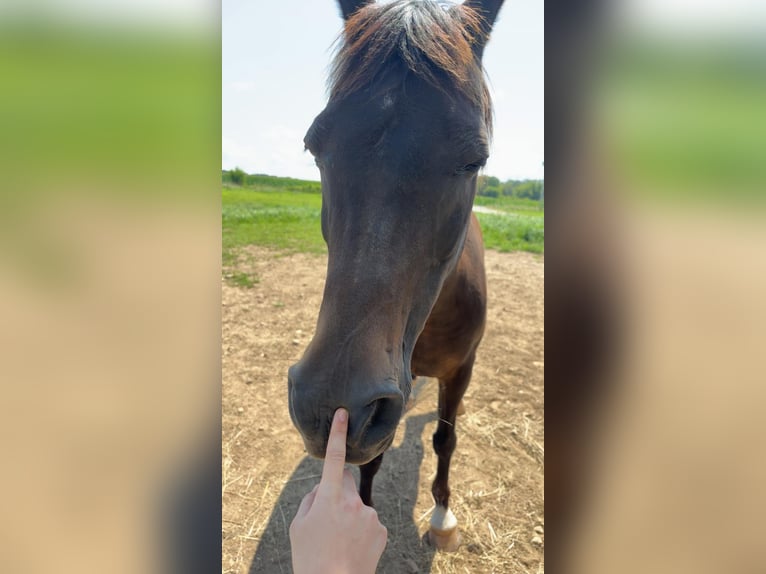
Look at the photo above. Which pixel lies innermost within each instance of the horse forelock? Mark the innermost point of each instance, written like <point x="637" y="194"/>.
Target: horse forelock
<point x="433" y="40"/>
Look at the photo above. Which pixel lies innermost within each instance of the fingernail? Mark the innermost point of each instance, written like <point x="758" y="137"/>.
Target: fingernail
<point x="342" y="415"/>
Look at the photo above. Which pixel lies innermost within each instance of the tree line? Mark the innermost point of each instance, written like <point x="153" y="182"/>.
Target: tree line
<point x="490" y="186"/>
<point x="241" y="178"/>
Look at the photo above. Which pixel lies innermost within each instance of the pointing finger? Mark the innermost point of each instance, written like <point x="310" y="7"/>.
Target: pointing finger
<point x="335" y="458"/>
<point x="306" y="503"/>
<point x="348" y="482"/>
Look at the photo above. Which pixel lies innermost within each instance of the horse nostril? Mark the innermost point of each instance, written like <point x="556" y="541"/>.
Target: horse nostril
<point x="386" y="412"/>
<point x="374" y="408"/>
<point x="375" y="422"/>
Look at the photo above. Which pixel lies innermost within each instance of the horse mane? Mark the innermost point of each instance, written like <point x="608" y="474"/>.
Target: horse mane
<point x="433" y="40"/>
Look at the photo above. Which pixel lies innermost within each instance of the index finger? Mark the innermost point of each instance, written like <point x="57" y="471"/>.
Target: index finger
<point x="335" y="457"/>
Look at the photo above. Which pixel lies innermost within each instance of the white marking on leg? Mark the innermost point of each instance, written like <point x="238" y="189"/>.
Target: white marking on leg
<point x="443" y="519"/>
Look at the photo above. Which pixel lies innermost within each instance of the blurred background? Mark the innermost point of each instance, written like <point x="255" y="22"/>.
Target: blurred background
<point x="109" y="286"/>
<point x="655" y="282"/>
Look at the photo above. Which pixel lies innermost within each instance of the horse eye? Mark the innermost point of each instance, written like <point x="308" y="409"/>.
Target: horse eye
<point x="471" y="167"/>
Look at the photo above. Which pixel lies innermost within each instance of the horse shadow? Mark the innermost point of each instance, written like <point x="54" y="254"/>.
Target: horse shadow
<point x="395" y="493"/>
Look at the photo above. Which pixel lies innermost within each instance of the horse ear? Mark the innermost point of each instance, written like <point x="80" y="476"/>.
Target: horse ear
<point x="348" y="7"/>
<point x="487" y="10"/>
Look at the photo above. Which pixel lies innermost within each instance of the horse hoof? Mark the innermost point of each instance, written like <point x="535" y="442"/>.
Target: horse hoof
<point x="460" y="408"/>
<point x="443" y="534"/>
<point x="444" y="540"/>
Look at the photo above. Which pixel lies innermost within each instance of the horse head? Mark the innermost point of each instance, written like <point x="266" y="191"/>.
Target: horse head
<point x="398" y="146"/>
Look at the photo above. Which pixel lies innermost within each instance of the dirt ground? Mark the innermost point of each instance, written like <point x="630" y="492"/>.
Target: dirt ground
<point x="497" y="470"/>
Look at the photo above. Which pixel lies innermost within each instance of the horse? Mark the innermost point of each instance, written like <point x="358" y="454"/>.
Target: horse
<point x="399" y="146"/>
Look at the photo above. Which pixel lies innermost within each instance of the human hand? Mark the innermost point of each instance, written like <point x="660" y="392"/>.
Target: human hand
<point x="333" y="532"/>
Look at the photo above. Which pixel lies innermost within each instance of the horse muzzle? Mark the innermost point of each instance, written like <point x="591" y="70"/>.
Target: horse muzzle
<point x="374" y="413"/>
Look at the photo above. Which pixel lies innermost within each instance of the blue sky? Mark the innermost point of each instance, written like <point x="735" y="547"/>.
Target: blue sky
<point x="275" y="61"/>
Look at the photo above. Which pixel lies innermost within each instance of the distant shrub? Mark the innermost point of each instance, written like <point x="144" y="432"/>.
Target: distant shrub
<point x="237" y="176"/>
<point x="531" y="189"/>
<point x="485" y="182"/>
<point x="533" y="235"/>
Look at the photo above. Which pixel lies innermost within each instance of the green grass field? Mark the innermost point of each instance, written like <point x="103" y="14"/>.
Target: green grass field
<point x="513" y="232"/>
<point x="515" y="205"/>
<point x="284" y="220"/>
<point x="286" y="217"/>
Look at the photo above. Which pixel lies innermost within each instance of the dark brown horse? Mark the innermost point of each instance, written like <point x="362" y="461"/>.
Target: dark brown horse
<point x="399" y="145"/>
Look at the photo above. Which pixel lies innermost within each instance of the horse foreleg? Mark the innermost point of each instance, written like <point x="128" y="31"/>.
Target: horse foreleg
<point x="444" y="533"/>
<point x="366" y="474"/>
